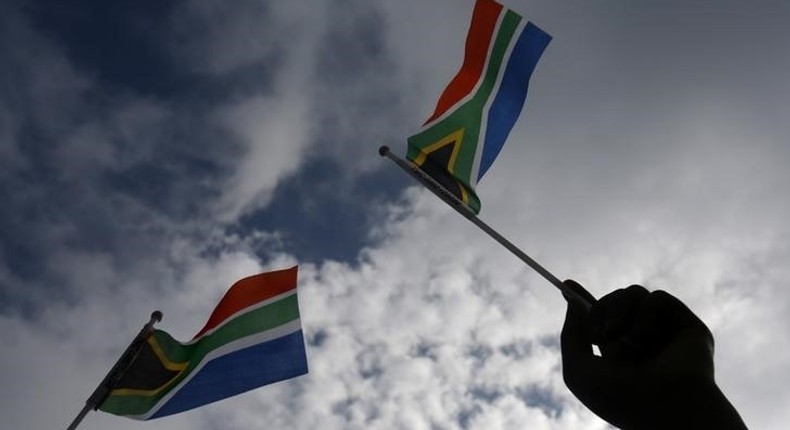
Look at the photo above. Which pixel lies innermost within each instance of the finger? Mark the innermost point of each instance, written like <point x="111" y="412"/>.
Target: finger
<point x="614" y="314"/>
<point x="577" y="352"/>
<point x="662" y="317"/>
<point x="580" y="291"/>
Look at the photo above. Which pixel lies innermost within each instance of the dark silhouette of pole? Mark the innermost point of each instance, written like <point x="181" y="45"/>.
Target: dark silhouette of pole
<point x="464" y="210"/>
<point x="117" y="371"/>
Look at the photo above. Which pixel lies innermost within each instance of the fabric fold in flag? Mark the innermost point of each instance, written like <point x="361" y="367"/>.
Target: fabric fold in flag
<point x="480" y="105"/>
<point x="252" y="338"/>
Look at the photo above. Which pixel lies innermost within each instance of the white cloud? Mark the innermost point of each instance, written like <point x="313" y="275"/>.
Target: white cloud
<point x="606" y="179"/>
<point x="275" y="133"/>
<point x="415" y="338"/>
<point x="270" y="120"/>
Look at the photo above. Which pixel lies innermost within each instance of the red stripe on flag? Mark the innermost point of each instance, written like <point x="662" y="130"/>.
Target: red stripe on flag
<point x="249" y="291"/>
<point x="478" y="40"/>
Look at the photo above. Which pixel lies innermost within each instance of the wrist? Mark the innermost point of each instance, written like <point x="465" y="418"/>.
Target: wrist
<point x="692" y="404"/>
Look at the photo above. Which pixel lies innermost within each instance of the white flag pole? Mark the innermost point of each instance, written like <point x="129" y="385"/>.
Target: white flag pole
<point x="464" y="210"/>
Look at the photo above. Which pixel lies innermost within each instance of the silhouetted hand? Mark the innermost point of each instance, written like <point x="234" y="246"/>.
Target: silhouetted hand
<point x="656" y="365"/>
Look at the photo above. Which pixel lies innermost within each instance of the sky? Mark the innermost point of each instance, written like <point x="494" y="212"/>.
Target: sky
<point x="153" y="153"/>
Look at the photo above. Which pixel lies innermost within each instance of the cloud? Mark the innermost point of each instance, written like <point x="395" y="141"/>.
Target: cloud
<point x="276" y="135"/>
<point x="421" y="335"/>
<point x="620" y="171"/>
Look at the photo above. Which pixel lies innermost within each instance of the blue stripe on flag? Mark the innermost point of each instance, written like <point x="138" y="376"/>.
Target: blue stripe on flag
<point x="240" y="371"/>
<point x="509" y="99"/>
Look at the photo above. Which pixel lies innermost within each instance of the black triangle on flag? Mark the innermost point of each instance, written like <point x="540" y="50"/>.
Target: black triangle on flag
<point x="438" y="164"/>
<point x="149" y="371"/>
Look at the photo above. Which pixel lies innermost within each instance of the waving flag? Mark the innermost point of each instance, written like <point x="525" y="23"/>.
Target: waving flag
<point x="253" y="338"/>
<point x="479" y="107"/>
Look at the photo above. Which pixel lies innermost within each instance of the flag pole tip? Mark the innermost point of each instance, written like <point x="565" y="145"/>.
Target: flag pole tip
<point x="156" y="316"/>
<point x="384" y="150"/>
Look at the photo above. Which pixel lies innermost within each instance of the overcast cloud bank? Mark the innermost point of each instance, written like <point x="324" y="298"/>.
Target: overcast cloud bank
<point x="646" y="155"/>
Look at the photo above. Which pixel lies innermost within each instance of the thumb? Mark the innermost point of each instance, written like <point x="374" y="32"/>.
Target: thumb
<point x="577" y="352"/>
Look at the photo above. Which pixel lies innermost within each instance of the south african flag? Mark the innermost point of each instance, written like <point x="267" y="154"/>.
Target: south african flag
<point x="253" y="338"/>
<point x="479" y="107"/>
